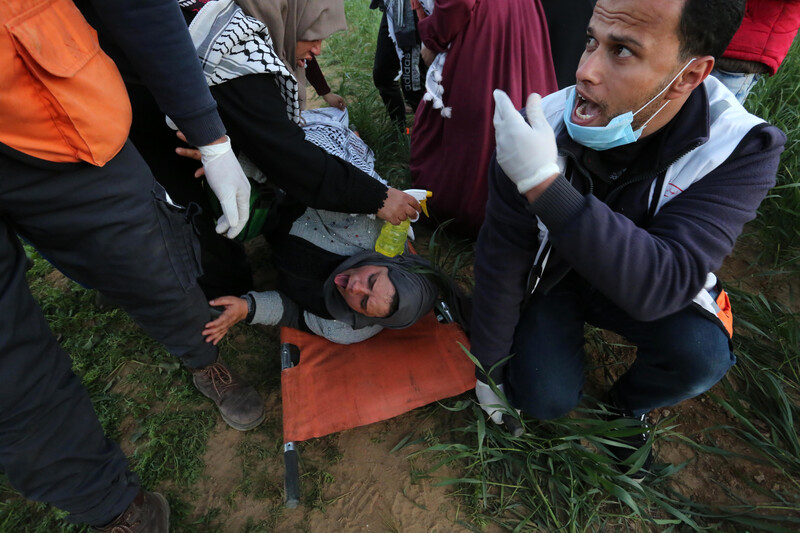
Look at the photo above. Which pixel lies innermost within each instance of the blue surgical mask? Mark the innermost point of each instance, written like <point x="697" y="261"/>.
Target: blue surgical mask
<point x="618" y="132"/>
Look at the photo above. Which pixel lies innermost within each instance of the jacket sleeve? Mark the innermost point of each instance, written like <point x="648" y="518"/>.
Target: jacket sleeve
<point x="504" y="255"/>
<point x="255" y="114"/>
<point x="316" y="78"/>
<point x="448" y="19"/>
<point x="151" y="36"/>
<point x="654" y="271"/>
<point x="273" y="308"/>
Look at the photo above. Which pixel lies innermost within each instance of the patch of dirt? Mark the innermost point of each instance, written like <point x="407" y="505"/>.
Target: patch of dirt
<point x="372" y="489"/>
<point x="58" y="280"/>
<point x="708" y="478"/>
<point x="351" y="481"/>
<point x="743" y="269"/>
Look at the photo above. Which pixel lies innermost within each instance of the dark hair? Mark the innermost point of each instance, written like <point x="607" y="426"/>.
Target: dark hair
<point x="706" y="27"/>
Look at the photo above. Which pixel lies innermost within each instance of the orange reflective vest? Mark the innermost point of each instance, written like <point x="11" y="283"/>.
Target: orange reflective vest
<point x="61" y="98"/>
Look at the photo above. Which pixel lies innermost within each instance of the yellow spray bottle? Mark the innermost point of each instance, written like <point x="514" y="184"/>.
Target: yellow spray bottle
<point x="392" y="239"/>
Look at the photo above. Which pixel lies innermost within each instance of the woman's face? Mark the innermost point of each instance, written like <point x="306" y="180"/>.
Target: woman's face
<point x="367" y="290"/>
<point x="306" y="50"/>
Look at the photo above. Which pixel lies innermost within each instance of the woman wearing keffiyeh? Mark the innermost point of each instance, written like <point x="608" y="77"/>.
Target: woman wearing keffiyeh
<point x="257" y="79"/>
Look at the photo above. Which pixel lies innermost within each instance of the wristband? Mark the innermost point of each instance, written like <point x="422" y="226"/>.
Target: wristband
<point x="251" y="308"/>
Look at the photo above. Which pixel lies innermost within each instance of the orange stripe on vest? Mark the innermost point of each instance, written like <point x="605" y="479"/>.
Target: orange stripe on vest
<point x="725" y="314"/>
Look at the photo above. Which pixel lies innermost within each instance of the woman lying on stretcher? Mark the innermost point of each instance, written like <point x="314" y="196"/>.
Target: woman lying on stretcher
<point x="330" y="281"/>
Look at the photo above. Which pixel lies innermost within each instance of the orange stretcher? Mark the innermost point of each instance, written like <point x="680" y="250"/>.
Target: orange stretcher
<point x="329" y="387"/>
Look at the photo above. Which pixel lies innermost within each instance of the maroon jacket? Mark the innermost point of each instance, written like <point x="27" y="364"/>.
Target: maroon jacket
<point x="766" y="33"/>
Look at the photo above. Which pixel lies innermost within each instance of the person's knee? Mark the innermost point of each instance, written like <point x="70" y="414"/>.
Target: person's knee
<point x="544" y="402"/>
<point x="550" y="408"/>
<point x="701" y="363"/>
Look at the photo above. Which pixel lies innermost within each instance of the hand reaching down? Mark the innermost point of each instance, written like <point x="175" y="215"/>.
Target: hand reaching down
<point x="226" y="178"/>
<point x="334" y="100"/>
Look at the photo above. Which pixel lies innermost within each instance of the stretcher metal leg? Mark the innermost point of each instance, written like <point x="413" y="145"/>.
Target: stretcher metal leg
<point x="291" y="477"/>
<point x="290" y="356"/>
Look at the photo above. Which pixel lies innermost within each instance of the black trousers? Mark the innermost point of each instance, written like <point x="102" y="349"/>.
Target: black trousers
<point x="110" y="228"/>
<point x="384" y="73"/>
<point x="226" y="270"/>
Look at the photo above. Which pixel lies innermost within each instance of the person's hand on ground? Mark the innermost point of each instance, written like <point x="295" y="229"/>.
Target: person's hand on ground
<point x="235" y="311"/>
<point x="526" y="151"/>
<point x="398" y="206"/>
<point x="334" y="100"/>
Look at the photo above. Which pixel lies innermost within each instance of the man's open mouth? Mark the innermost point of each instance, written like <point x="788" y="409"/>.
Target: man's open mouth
<point x="585" y="111"/>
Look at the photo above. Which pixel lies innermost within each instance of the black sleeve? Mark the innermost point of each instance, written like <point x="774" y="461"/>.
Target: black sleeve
<point x="149" y="42"/>
<point x="255" y="115"/>
<point x="316" y="78"/>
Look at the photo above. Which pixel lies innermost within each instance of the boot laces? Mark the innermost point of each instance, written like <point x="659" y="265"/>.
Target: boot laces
<point x="220" y="376"/>
<point x="121" y="529"/>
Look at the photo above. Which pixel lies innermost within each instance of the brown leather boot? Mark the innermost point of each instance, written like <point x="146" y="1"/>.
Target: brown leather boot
<point x="147" y="513"/>
<point x="238" y="402"/>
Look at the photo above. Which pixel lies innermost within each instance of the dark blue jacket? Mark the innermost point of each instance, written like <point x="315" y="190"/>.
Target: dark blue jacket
<point x="650" y="266"/>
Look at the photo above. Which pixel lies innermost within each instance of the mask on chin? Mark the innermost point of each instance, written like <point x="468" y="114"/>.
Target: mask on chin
<point x="619" y="131"/>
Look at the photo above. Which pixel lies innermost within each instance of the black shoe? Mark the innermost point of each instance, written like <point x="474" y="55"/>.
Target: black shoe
<point x="147" y="513"/>
<point x="634" y="454"/>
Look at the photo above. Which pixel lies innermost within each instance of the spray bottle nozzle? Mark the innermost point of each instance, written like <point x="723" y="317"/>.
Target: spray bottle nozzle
<point x="421" y="195"/>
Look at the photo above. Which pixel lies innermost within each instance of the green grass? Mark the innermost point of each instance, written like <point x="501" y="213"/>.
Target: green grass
<point x="777" y="100"/>
<point x="556" y="477"/>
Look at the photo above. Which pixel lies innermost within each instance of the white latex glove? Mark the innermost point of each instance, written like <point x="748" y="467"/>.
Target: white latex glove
<point x="527" y="154"/>
<point x="230" y="185"/>
<point x="489" y="401"/>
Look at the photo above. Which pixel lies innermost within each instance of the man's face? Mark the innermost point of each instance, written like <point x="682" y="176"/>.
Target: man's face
<point x="631" y="55"/>
<point x="306" y="50"/>
<point x="366" y="289"/>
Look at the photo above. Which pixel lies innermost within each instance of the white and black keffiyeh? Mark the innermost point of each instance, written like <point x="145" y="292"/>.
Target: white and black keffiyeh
<point x="434" y="90"/>
<point x="231" y="44"/>
<point x="328" y="128"/>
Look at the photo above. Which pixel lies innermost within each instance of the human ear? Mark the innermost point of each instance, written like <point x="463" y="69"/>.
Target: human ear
<point x="694" y="75"/>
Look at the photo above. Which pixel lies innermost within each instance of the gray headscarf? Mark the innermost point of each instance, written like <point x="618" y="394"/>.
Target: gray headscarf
<point x="289" y="21"/>
<point x="416" y="292"/>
